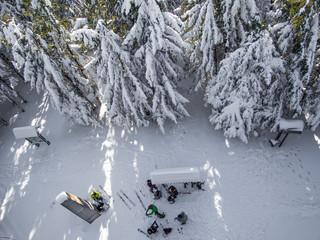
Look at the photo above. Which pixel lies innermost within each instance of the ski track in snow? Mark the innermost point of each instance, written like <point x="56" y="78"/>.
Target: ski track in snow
<point x="252" y="191"/>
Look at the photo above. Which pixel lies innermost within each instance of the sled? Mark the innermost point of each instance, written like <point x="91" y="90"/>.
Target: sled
<point x="80" y="207"/>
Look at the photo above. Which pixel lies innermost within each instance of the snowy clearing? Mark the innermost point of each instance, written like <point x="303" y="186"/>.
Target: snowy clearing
<point x="252" y="191"/>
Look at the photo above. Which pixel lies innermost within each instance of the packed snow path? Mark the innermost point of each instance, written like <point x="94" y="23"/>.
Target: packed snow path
<point x="252" y="191"/>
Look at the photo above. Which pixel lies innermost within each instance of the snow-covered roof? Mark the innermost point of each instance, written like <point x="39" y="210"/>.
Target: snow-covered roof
<point x="61" y="197"/>
<point x="24" y="132"/>
<point x="293" y="125"/>
<point x="175" y="175"/>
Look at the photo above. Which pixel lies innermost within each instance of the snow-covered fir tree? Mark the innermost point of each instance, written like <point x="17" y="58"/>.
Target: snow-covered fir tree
<point x="130" y="55"/>
<point x="217" y="27"/>
<point x="171" y="5"/>
<point x="244" y="94"/>
<point x="123" y="94"/>
<point x="40" y="49"/>
<point x="9" y="79"/>
<point x="9" y="75"/>
<point x="297" y="35"/>
<point x="238" y="18"/>
<point x="313" y="115"/>
<point x="155" y="42"/>
<point x="202" y="29"/>
<point x="111" y="13"/>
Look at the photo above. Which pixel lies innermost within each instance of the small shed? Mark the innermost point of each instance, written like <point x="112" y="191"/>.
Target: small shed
<point x="31" y="134"/>
<point x="80" y="207"/>
<point x="175" y="175"/>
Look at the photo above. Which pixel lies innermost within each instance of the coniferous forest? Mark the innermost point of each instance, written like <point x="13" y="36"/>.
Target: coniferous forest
<point x="125" y="62"/>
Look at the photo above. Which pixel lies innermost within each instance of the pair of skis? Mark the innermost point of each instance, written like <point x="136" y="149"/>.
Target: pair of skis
<point x="106" y="198"/>
<point x="125" y="197"/>
<point x="122" y="197"/>
<point x="124" y="201"/>
<point x="106" y="194"/>
<point x="142" y="204"/>
<point x="128" y="206"/>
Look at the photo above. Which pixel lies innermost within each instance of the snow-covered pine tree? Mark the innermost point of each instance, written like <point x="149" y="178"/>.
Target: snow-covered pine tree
<point x="215" y="28"/>
<point x="124" y="95"/>
<point x="8" y="81"/>
<point x="110" y="12"/>
<point x="305" y="90"/>
<point x="244" y="94"/>
<point x="313" y="115"/>
<point x="155" y="42"/>
<point x="202" y="30"/>
<point x="298" y="41"/>
<point x="44" y="55"/>
<point x="171" y="5"/>
<point x="9" y="76"/>
<point x="238" y="18"/>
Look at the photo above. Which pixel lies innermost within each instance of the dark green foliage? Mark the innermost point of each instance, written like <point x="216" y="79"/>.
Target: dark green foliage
<point x="44" y="27"/>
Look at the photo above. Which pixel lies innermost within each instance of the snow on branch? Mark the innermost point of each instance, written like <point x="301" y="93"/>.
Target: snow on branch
<point x="241" y="89"/>
<point x="158" y="49"/>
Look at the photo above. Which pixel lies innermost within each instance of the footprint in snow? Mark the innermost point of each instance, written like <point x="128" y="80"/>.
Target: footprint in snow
<point x="294" y="171"/>
<point x="301" y="166"/>
<point x="309" y="173"/>
<point x="308" y="179"/>
<point x="300" y="176"/>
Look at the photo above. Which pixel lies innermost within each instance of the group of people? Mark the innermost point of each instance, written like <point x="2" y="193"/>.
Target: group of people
<point x="152" y="209"/>
<point x="172" y="191"/>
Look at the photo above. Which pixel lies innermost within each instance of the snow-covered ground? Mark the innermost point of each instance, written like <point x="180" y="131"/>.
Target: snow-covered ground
<point x="252" y="191"/>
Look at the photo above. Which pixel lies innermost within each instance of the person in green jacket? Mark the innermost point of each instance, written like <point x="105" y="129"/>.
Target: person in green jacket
<point x="152" y="209"/>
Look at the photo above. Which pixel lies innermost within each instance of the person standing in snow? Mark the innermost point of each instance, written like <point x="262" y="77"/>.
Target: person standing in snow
<point x="151" y="186"/>
<point x="98" y="199"/>
<point x="157" y="195"/>
<point x="173" y="194"/>
<point x="152" y="209"/>
<point x="153" y="228"/>
<point x="182" y="217"/>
